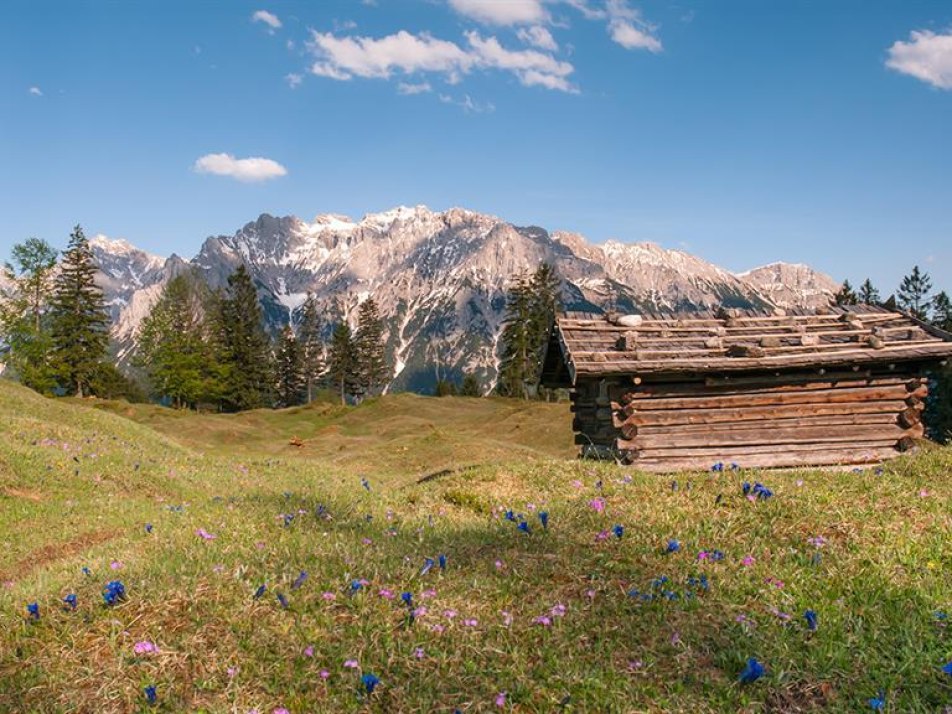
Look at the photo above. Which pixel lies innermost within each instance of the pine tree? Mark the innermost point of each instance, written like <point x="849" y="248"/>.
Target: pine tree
<point x="372" y="368"/>
<point x="311" y="345"/>
<point x="341" y="361"/>
<point x="846" y="295"/>
<point x="942" y="311"/>
<point x="531" y="304"/>
<point x="290" y="372"/>
<point x="868" y="295"/>
<point x="913" y="293"/>
<point x="175" y="347"/>
<point x="516" y="360"/>
<point x="79" y="324"/>
<point x="470" y="386"/>
<point x="22" y="313"/>
<point x="247" y="349"/>
<point x="545" y="289"/>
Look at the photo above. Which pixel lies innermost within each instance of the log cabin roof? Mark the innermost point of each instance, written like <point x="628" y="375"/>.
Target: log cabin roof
<point x="590" y="345"/>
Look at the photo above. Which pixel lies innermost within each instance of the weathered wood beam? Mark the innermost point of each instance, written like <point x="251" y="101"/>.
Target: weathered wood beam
<point x="772" y="435"/>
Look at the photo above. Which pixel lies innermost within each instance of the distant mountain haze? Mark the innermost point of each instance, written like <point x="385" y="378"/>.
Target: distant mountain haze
<point x="439" y="279"/>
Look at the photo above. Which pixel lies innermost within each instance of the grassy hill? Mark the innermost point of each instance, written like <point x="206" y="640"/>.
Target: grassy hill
<point x="565" y="618"/>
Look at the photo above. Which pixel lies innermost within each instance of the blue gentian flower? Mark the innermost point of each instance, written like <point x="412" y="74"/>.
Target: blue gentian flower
<point x="283" y="600"/>
<point x="634" y="592"/>
<point x="365" y="483"/>
<point x="86" y="571"/>
<point x="442" y="560"/>
<point x="719" y="466"/>
<point x="619" y="531"/>
<point x="716" y="555"/>
<point x="673" y="546"/>
<point x="510" y="516"/>
<point x="407" y="597"/>
<point x="299" y="580"/>
<point x="524" y="527"/>
<point x="753" y="671"/>
<point x="746" y="487"/>
<point x="148" y="527"/>
<point x="114" y="592"/>
<point x="370" y="682"/>
<point x="428" y="564"/>
<point x="658" y="582"/>
<point x="878" y="703"/>
<point x="150" y="694"/>
<point x="70" y="601"/>
<point x="735" y="466"/>
<point x="544" y="519"/>
<point x="260" y="591"/>
<point x="288" y="519"/>
<point x="34" y="610"/>
<point x="810" y="617"/>
<point x="355" y="586"/>
<point x="947" y="668"/>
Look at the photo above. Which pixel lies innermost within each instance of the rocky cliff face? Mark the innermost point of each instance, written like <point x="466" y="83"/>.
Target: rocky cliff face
<point x="792" y="284"/>
<point x="439" y="279"/>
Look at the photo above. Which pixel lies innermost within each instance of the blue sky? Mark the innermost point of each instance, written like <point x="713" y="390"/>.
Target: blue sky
<point x="742" y="131"/>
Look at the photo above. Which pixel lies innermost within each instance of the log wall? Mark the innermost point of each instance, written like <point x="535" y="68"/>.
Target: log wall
<point x="818" y="419"/>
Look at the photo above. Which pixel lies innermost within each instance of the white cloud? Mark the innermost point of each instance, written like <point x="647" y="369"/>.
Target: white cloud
<point x="502" y="12"/>
<point x="588" y="12"/>
<point x="344" y="57"/>
<point x="403" y="53"/>
<point x="538" y="36"/>
<point x="35" y="91"/>
<point x="927" y="56"/>
<point x="294" y="80"/>
<point x="408" y="88"/>
<point x="267" y="18"/>
<point x="252" y="169"/>
<point x="530" y="66"/>
<point x="631" y="38"/>
<point x="467" y="104"/>
<point x="626" y="28"/>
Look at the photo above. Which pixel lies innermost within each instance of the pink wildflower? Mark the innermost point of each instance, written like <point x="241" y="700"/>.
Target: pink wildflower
<point x="324" y="674"/>
<point x="145" y="647"/>
<point x="558" y="610"/>
<point x="309" y="651"/>
<point x="597" y="504"/>
<point x="501" y="700"/>
<point x="470" y="622"/>
<point x="542" y="620"/>
<point x="205" y="534"/>
<point x="506" y="618"/>
<point x="115" y="565"/>
<point x="747" y="561"/>
<point x="351" y="664"/>
<point x="386" y="593"/>
<point x="329" y="596"/>
<point x="419" y="653"/>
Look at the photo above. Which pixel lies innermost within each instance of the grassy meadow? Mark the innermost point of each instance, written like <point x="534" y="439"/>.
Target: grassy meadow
<point x="195" y="513"/>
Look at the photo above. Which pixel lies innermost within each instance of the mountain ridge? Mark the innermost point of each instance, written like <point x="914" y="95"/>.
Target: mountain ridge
<point x="439" y="278"/>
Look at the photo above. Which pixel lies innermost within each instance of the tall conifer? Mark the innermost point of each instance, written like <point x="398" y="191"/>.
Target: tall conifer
<point x="79" y="323"/>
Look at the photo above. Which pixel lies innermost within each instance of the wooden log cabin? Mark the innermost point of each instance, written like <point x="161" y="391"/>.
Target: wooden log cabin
<point x="672" y="392"/>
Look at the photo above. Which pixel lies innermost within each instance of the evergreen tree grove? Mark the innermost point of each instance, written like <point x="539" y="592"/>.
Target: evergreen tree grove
<point x="531" y="305"/>
<point x="174" y="344"/>
<point x="372" y="369"/>
<point x="79" y="324"/>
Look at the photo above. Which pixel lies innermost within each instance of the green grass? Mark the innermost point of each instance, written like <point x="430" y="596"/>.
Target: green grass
<point x="884" y="571"/>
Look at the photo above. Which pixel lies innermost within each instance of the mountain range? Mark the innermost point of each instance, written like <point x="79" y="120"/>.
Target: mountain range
<point x="439" y="279"/>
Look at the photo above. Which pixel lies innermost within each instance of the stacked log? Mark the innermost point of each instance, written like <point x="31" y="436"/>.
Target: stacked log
<point x="757" y="421"/>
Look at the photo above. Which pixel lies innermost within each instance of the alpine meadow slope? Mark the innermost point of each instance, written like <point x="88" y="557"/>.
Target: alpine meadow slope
<point x="270" y="578"/>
